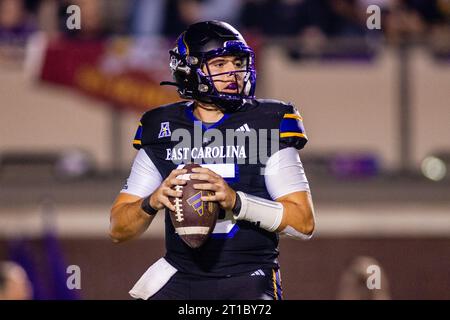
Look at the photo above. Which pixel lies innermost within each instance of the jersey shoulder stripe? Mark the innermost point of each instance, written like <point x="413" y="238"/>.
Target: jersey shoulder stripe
<point x="137" y="142"/>
<point x="289" y="122"/>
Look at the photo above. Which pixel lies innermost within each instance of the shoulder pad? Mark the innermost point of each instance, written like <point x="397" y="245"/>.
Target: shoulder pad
<point x="288" y="120"/>
<point x="151" y="124"/>
<point x="292" y="131"/>
<point x="273" y="105"/>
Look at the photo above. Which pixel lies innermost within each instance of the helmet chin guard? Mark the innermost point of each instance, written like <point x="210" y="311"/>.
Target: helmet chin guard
<point x="200" y="43"/>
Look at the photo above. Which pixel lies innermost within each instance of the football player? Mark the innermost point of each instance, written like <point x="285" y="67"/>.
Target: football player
<point x="258" y="181"/>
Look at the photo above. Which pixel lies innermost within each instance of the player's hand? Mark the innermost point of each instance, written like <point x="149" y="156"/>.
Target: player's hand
<point x="160" y="198"/>
<point x="223" y="193"/>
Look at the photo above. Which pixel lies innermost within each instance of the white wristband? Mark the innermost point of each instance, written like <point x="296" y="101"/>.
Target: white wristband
<point x="266" y="213"/>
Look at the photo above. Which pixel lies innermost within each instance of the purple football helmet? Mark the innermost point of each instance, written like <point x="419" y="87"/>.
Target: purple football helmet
<point x="195" y="47"/>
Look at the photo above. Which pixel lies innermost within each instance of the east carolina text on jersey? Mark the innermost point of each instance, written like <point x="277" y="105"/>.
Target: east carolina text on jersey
<point x="222" y="152"/>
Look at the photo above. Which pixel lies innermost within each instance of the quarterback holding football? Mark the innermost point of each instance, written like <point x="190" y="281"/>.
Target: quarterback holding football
<point x="225" y="168"/>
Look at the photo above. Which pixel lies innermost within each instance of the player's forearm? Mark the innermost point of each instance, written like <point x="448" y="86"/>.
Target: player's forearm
<point x="298" y="216"/>
<point x="292" y="214"/>
<point x="128" y="220"/>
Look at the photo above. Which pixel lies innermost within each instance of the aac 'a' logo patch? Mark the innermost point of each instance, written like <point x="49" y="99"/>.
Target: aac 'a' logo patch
<point x="196" y="203"/>
<point x="165" y="130"/>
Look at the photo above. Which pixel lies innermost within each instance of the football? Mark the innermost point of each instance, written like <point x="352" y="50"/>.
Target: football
<point x="193" y="219"/>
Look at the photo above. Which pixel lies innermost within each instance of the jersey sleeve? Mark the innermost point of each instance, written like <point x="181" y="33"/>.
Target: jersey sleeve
<point x="284" y="173"/>
<point x="292" y="131"/>
<point x="144" y="177"/>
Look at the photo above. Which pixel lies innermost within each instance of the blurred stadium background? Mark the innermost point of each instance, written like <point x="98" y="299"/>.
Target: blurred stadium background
<point x="376" y="105"/>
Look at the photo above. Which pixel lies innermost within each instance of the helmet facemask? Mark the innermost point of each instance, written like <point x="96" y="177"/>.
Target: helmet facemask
<point x="246" y="76"/>
<point x="199" y="84"/>
<point x="237" y="80"/>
